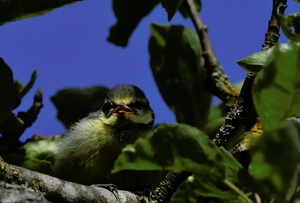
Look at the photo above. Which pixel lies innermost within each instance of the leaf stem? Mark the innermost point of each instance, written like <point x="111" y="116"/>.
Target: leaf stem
<point x="238" y="191"/>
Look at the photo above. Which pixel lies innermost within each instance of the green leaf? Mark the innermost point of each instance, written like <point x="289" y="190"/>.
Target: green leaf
<point x="128" y="13"/>
<point x="35" y="155"/>
<point x="274" y="160"/>
<point x="42" y="149"/>
<point x="76" y="103"/>
<point x="6" y="90"/>
<point x="12" y="10"/>
<point x="276" y="89"/>
<point x="286" y="23"/>
<point x="255" y="62"/>
<point x="28" y="86"/>
<point x="177" y="66"/>
<point x="42" y="166"/>
<point x="182" y="147"/>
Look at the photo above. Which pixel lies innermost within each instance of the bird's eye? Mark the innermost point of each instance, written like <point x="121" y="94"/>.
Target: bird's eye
<point x="107" y="107"/>
<point x="137" y="105"/>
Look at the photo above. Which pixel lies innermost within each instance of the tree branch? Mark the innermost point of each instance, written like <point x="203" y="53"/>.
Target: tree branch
<point x="272" y="35"/>
<point x="164" y="192"/>
<point x="216" y="81"/>
<point x="244" y="114"/>
<point x="57" y="190"/>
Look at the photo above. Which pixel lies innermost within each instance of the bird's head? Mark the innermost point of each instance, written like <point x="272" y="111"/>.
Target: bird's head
<point x="126" y="108"/>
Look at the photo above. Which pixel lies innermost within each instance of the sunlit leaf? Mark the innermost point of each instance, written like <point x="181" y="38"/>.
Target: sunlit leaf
<point x="128" y="13"/>
<point x="274" y="160"/>
<point x="6" y="90"/>
<point x="177" y="66"/>
<point x="255" y="62"/>
<point x="180" y="146"/>
<point x="276" y="89"/>
<point x="11" y="10"/>
<point x="73" y="104"/>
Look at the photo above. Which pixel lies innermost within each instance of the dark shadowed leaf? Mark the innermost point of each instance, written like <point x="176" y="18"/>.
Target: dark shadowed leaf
<point x="36" y="155"/>
<point x="128" y="13"/>
<point x="291" y="21"/>
<point x="180" y="146"/>
<point x="276" y="89"/>
<point x="274" y="160"/>
<point x="21" y="90"/>
<point x="172" y="6"/>
<point x="6" y="90"/>
<point x="10" y="124"/>
<point x="11" y="10"/>
<point x="255" y="62"/>
<point x="177" y="66"/>
<point x="73" y="104"/>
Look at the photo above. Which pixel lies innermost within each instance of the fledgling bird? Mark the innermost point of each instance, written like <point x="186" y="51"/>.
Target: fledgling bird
<point x="87" y="154"/>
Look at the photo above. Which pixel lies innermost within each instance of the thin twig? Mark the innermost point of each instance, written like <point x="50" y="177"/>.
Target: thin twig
<point x="272" y="35"/>
<point x="216" y="81"/>
<point x="238" y="191"/>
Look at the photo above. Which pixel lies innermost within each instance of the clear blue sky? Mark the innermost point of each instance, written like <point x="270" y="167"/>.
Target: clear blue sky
<point x="68" y="47"/>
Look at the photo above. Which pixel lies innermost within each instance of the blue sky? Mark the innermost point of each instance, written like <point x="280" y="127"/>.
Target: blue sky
<point x="68" y="47"/>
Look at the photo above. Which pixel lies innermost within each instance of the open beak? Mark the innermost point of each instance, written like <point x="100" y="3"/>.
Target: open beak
<point x="123" y="110"/>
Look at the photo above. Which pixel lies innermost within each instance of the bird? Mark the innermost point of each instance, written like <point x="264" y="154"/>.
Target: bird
<point x="87" y="153"/>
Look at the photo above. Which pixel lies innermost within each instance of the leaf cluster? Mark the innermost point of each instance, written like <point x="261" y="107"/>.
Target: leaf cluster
<point x="11" y="94"/>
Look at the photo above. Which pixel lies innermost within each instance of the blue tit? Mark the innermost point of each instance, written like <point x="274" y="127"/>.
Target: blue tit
<point x="87" y="153"/>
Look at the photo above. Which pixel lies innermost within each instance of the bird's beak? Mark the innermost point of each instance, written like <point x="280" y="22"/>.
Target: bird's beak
<point x="123" y="110"/>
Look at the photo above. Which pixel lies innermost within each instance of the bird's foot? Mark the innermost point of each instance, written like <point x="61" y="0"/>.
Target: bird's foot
<point x="111" y="187"/>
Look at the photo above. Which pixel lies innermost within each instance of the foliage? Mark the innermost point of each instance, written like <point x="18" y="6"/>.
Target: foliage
<point x="11" y="94"/>
<point x="180" y="74"/>
<point x="276" y="87"/>
<point x="73" y="104"/>
<point x="291" y="21"/>
<point x="11" y="10"/>
<point x="129" y="13"/>
<point x="190" y="149"/>
<point x="36" y="155"/>
<point x="178" y="68"/>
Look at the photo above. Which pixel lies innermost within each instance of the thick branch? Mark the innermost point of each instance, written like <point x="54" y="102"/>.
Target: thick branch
<point x="242" y="117"/>
<point x="244" y="114"/>
<point x="57" y="190"/>
<point x="169" y="185"/>
<point x="217" y="82"/>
